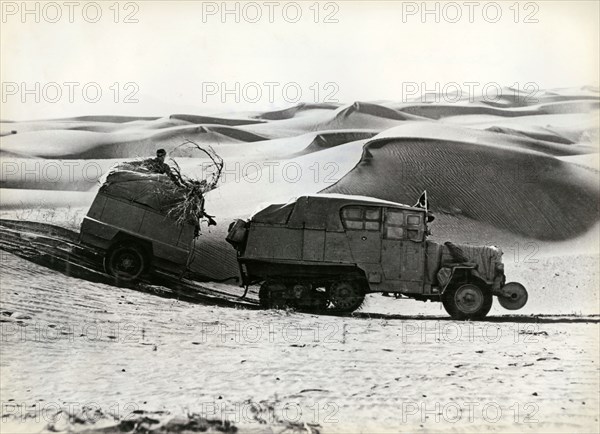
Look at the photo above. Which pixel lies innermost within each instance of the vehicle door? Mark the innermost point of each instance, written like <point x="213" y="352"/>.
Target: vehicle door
<point x="363" y="231"/>
<point x="403" y="248"/>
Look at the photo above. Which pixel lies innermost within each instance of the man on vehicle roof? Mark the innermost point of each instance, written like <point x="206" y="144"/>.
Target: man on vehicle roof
<point x="158" y="165"/>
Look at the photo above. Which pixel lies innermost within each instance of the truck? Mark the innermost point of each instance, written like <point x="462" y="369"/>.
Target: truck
<point x="325" y="252"/>
<point x="129" y="224"/>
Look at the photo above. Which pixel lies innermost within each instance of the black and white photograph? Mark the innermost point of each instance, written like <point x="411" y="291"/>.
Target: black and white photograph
<point x="299" y="217"/>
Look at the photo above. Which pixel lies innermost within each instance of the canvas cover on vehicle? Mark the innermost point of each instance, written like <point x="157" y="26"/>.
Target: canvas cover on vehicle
<point x="440" y="255"/>
<point x="486" y="257"/>
<point x="274" y="214"/>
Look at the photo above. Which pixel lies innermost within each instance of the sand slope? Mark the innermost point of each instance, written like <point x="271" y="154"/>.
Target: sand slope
<point x="515" y="184"/>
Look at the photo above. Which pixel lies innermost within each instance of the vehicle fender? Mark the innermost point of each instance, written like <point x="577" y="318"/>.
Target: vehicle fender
<point x="122" y="237"/>
<point x="455" y="273"/>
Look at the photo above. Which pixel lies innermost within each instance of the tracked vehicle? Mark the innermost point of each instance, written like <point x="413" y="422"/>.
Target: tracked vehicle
<point x="326" y="252"/>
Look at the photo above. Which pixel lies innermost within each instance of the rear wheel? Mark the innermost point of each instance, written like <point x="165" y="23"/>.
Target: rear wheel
<point x="125" y="261"/>
<point x="467" y="301"/>
<point x="346" y="295"/>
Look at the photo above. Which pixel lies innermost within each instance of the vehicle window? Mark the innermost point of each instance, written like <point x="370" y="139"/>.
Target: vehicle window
<point x="394" y="232"/>
<point x="413" y="220"/>
<point x="356" y="225"/>
<point x="413" y="234"/>
<point x="395" y="217"/>
<point x="394" y="222"/>
<point x="371" y="226"/>
<point x="400" y="225"/>
<point x="362" y="218"/>
<point x="352" y="213"/>
<point x="373" y="213"/>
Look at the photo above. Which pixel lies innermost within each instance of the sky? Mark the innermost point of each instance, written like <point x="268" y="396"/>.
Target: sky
<point x="154" y="58"/>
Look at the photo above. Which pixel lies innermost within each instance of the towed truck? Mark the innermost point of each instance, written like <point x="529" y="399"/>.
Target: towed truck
<point x="130" y="224"/>
<point x="134" y="238"/>
<point x="325" y="252"/>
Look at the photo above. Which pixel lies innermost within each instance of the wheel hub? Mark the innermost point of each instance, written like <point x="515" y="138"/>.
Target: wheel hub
<point x="468" y="298"/>
<point x="127" y="263"/>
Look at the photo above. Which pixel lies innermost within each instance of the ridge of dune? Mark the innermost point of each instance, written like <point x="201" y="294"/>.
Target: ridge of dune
<point x="373" y="110"/>
<point x="438" y="111"/>
<point x="549" y="136"/>
<point x="509" y="97"/>
<point x="325" y="140"/>
<point x="95" y="126"/>
<point x="234" y="133"/>
<point x="318" y="120"/>
<point x="360" y="115"/>
<point x="581" y="129"/>
<point x="290" y="112"/>
<point x="589" y="161"/>
<point x="82" y="144"/>
<point x="586" y="90"/>
<point x="199" y="119"/>
<point x="147" y="145"/>
<point x="118" y="119"/>
<point x="514" y="97"/>
<point x="456" y="133"/>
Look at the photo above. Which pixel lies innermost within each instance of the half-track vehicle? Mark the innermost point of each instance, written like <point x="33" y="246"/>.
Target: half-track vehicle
<point x="326" y="252"/>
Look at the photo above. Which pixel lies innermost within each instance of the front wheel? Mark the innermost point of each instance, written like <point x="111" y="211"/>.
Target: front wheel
<point x="467" y="301"/>
<point x="125" y="262"/>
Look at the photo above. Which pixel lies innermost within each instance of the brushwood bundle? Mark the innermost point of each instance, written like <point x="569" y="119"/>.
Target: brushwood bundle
<point x="165" y="188"/>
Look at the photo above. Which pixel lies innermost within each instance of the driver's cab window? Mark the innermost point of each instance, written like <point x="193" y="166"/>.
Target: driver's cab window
<point x="413" y="227"/>
<point x="402" y="225"/>
<point x="394" y="224"/>
<point x="361" y="218"/>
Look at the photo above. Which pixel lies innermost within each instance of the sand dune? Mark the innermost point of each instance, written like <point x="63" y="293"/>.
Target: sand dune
<point x="526" y="193"/>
